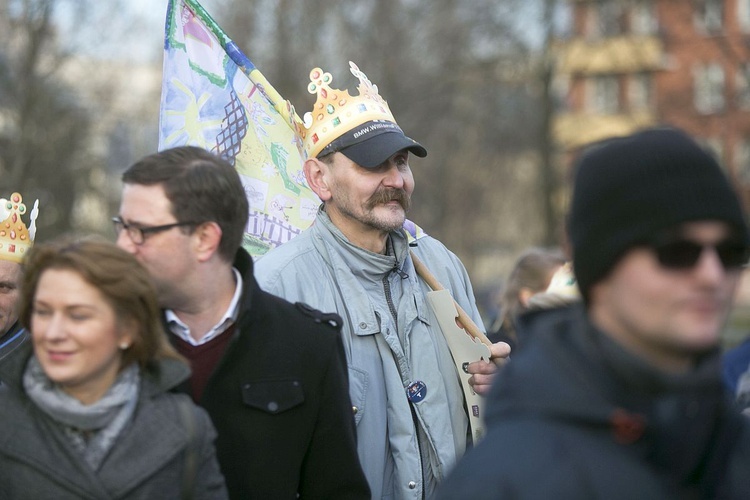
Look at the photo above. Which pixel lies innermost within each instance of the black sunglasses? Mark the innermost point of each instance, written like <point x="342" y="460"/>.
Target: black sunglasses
<point x="684" y="254"/>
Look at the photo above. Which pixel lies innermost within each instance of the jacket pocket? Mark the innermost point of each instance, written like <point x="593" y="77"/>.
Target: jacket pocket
<point x="273" y="396"/>
<point x="357" y="392"/>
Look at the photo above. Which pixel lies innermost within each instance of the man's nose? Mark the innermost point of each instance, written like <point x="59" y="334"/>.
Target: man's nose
<point x="709" y="266"/>
<point x="394" y="177"/>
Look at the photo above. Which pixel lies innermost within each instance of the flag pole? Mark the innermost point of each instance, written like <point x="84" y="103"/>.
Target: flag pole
<point x="465" y="321"/>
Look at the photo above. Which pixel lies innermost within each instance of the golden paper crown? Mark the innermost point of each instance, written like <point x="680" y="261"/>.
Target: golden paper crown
<point x="15" y="239"/>
<point x="336" y="112"/>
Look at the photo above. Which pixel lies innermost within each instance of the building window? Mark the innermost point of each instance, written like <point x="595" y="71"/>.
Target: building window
<point x="742" y="160"/>
<point x="639" y="92"/>
<point x="610" y="17"/>
<point x="604" y="19"/>
<point x="603" y="95"/>
<point x="709" y="15"/>
<point x="743" y="15"/>
<point x="742" y="86"/>
<point x="643" y="18"/>
<point x="561" y="94"/>
<point x="708" y="88"/>
<point x="592" y="22"/>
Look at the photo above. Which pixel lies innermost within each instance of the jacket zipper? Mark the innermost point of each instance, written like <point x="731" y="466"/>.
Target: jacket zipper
<point x="394" y="313"/>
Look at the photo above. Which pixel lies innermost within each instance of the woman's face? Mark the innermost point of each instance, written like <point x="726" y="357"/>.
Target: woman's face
<point x="77" y="337"/>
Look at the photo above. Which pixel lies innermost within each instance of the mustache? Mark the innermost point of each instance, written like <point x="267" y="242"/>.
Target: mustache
<point x="384" y="195"/>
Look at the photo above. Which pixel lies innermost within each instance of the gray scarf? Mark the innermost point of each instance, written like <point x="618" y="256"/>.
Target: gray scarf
<point x="93" y="428"/>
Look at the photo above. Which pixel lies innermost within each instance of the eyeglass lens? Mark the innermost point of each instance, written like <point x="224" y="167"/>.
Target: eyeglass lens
<point x="683" y="254"/>
<point x="134" y="233"/>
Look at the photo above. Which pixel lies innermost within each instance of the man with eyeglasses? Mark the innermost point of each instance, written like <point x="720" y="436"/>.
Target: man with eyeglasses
<point x="271" y="374"/>
<point x="622" y="397"/>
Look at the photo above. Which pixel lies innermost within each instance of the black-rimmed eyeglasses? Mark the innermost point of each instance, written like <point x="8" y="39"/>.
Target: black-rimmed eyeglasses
<point x="138" y="234"/>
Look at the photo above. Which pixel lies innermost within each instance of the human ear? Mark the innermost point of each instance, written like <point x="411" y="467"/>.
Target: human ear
<point x="126" y="333"/>
<point x="206" y="238"/>
<point x="316" y="173"/>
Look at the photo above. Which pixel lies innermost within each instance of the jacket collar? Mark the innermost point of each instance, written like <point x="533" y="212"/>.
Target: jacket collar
<point x="570" y="371"/>
<point x="12" y="367"/>
<point x="12" y="331"/>
<point x="363" y="263"/>
<point x="250" y="289"/>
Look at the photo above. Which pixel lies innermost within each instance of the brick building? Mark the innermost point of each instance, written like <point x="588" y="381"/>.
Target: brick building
<point x="634" y="63"/>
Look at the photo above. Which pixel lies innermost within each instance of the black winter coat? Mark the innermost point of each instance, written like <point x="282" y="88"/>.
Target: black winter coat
<point x="279" y="399"/>
<point x="573" y="416"/>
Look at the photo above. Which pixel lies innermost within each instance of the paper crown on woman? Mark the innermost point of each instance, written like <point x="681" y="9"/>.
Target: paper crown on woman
<point x="15" y="238"/>
<point x="342" y="122"/>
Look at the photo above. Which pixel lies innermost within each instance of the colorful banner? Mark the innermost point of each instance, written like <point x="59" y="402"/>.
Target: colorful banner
<point x="214" y="97"/>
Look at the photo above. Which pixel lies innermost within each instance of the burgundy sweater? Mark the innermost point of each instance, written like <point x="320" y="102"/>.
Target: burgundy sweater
<point x="203" y="359"/>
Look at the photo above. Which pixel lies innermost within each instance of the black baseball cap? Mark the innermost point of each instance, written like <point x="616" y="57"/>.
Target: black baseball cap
<point x="372" y="143"/>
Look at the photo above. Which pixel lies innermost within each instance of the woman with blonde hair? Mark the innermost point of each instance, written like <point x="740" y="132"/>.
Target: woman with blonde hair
<point x="531" y="274"/>
<point x="89" y="395"/>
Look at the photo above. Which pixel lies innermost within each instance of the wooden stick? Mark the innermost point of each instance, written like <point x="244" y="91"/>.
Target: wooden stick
<point x="466" y="322"/>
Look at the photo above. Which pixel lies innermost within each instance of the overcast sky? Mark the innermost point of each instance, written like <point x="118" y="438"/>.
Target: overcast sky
<point x="133" y="31"/>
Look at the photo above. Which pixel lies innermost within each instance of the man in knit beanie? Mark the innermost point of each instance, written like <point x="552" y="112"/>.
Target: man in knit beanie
<point x="621" y="396"/>
<point x="629" y="190"/>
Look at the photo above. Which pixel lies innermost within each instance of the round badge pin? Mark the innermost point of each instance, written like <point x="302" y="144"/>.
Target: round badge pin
<point x="416" y="391"/>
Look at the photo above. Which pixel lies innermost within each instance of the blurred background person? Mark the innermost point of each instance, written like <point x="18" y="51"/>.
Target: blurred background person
<point x="531" y="274"/>
<point x="88" y="396"/>
<point x="562" y="291"/>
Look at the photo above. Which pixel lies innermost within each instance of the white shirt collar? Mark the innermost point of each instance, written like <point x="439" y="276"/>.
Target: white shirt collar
<point x="180" y="329"/>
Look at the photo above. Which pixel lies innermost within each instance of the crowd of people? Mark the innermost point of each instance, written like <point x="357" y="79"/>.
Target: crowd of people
<point x="169" y="364"/>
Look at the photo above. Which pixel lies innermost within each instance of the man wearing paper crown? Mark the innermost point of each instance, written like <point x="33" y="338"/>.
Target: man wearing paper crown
<point x="15" y="241"/>
<point x="355" y="260"/>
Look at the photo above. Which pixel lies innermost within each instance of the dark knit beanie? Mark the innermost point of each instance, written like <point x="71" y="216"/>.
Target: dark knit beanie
<point x="628" y="190"/>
